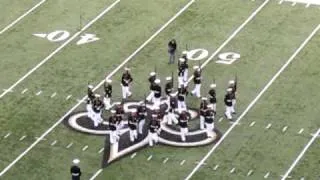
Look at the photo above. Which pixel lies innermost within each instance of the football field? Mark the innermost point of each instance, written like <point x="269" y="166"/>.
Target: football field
<point x="50" y="51"/>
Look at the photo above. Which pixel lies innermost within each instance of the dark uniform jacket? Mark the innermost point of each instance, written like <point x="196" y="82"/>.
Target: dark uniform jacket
<point x="181" y="69"/>
<point x="197" y="77"/>
<point x="97" y="105"/>
<point x="183" y="120"/>
<point x="212" y="96"/>
<point x="157" y="91"/>
<point x="151" y="81"/>
<point x="75" y="172"/>
<point x="90" y="96"/>
<point x="113" y="123"/>
<point x="119" y="114"/>
<point x="126" y="79"/>
<point x="228" y="100"/>
<point x="168" y="88"/>
<point x="107" y="90"/>
<point x="132" y="121"/>
<point x="173" y="103"/>
<point x="142" y="112"/>
<point x="182" y="93"/>
<point x="209" y="116"/>
<point x="172" y="46"/>
<point x="203" y="108"/>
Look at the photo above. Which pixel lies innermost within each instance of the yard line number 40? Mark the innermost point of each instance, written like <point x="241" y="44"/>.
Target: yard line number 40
<point x="224" y="58"/>
<point x="62" y="35"/>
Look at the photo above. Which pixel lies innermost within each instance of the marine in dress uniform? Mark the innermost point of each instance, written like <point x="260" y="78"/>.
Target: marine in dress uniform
<point x="126" y="81"/>
<point x="119" y="115"/>
<point x="209" y="121"/>
<point x="212" y="97"/>
<point x="113" y="127"/>
<point x="153" y="132"/>
<point x="133" y="123"/>
<point x="182" y="93"/>
<point x="90" y="99"/>
<point x="151" y="79"/>
<point x="142" y="113"/>
<point x="168" y="89"/>
<point x="97" y="107"/>
<point x="107" y="93"/>
<point x="183" y="123"/>
<point x="157" y="93"/>
<point x="228" y="104"/>
<point x="181" y="72"/>
<point x="233" y="86"/>
<point x="75" y="170"/>
<point x="172" y="46"/>
<point x="197" y="81"/>
<point x="173" y="105"/>
<point x="203" y="110"/>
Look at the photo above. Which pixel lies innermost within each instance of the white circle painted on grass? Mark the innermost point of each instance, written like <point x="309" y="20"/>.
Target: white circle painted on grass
<point x="197" y="54"/>
<point x="59" y="35"/>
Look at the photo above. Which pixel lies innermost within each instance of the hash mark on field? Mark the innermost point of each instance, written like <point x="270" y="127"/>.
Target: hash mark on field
<point x="149" y="158"/>
<point x="266" y="175"/>
<point x="24" y="91"/>
<point x="38" y="93"/>
<point x="68" y="97"/>
<point x="216" y="167"/>
<point x="22" y="138"/>
<point x="284" y="129"/>
<point x="69" y="145"/>
<point x="85" y="148"/>
<point x="293" y="4"/>
<point x="54" y="142"/>
<point x="7" y="135"/>
<point x="101" y="150"/>
<point x="252" y="123"/>
<point x="250" y="172"/>
<point x="232" y="170"/>
<point x="220" y="119"/>
<point x="133" y="155"/>
<point x="165" y="160"/>
<point x="268" y="126"/>
<point x="301" y="130"/>
<point x="53" y="95"/>
<point x="182" y="162"/>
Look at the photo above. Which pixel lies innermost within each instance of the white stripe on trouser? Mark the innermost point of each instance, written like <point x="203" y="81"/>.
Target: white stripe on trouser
<point x="183" y="133"/>
<point x="185" y="76"/>
<point x="213" y="106"/>
<point x="90" y="111"/>
<point x="156" y="102"/>
<point x="141" y="124"/>
<point x="153" y="137"/>
<point x="182" y="106"/>
<point x="126" y="92"/>
<point x="197" y="90"/>
<point x="228" y="112"/>
<point x="180" y="80"/>
<point x="210" y="127"/>
<point x="119" y="126"/>
<point x="201" y="122"/>
<point x="96" y="119"/>
<point x="107" y="103"/>
<point x="234" y="101"/>
<point x="133" y="134"/>
<point x="150" y="96"/>
<point x="170" y="117"/>
<point x="113" y="137"/>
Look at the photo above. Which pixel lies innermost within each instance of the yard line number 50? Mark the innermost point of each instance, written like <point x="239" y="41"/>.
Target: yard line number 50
<point x="224" y="58"/>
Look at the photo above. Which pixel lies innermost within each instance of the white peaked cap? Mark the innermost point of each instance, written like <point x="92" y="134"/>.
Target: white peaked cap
<point x="97" y="95"/>
<point x="182" y="60"/>
<point x="204" y="98"/>
<point x="108" y="80"/>
<point x="231" y="82"/>
<point x="127" y="69"/>
<point x="152" y="74"/>
<point x="113" y="111"/>
<point x="229" y="89"/>
<point x="184" y="52"/>
<point x="213" y="85"/>
<point x="90" y="86"/>
<point x="76" y="161"/>
<point x="168" y="78"/>
<point x="156" y="108"/>
<point x="195" y="67"/>
<point x="134" y="110"/>
<point x="157" y="81"/>
<point x="173" y="94"/>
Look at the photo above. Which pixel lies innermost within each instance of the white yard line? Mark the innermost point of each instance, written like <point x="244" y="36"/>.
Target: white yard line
<point x="254" y="101"/>
<point x="21" y="17"/>
<point x="60" y="48"/>
<point x="296" y="161"/>
<point x="96" y="174"/>
<point x="18" y="158"/>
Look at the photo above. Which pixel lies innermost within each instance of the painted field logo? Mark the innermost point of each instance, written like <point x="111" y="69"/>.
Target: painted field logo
<point x="224" y="58"/>
<point x="169" y="135"/>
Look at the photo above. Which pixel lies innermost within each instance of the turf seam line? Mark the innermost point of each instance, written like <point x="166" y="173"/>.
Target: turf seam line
<point x="61" y="47"/>
<point x="296" y="161"/>
<point x="305" y="42"/>
<point x="21" y="17"/>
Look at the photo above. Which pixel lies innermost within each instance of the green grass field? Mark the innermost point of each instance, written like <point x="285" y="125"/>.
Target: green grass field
<point x="266" y="41"/>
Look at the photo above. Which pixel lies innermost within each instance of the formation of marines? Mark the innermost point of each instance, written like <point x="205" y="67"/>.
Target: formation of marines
<point x="175" y="113"/>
